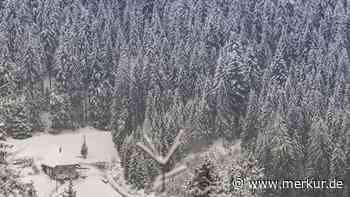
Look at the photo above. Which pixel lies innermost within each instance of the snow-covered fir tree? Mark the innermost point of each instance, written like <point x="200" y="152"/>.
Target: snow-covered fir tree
<point x="205" y="182"/>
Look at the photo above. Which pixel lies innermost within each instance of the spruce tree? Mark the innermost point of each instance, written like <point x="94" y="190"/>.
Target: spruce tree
<point x="17" y="122"/>
<point x="338" y="162"/>
<point x="232" y="89"/>
<point x="205" y="182"/>
<point x="254" y="68"/>
<point x="250" y="124"/>
<point x="319" y="150"/>
<point x="70" y="192"/>
<point x="120" y="121"/>
<point x="285" y="149"/>
<point x="84" y="149"/>
<point x="10" y="181"/>
<point x="279" y="69"/>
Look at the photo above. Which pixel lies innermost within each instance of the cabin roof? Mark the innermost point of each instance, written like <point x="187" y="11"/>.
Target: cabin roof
<point x="56" y="158"/>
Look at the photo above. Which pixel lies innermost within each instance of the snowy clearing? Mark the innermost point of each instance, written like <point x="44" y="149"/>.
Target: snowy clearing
<point x="41" y="148"/>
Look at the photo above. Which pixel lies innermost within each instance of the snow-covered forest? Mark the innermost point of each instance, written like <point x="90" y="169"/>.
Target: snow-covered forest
<point x="269" y="76"/>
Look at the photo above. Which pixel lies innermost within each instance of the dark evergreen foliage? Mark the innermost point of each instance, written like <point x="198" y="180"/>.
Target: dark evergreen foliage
<point x="10" y="181"/>
<point x="205" y="182"/>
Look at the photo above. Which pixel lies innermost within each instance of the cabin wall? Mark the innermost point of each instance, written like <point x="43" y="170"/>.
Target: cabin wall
<point x="66" y="172"/>
<point x="62" y="172"/>
<point x="48" y="170"/>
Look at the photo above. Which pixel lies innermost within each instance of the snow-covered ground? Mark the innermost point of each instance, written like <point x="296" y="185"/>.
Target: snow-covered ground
<point x="91" y="186"/>
<point x="44" y="147"/>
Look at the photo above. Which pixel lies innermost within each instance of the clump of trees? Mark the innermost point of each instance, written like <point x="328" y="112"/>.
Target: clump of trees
<point x="10" y="183"/>
<point x="205" y="182"/>
<point x="214" y="172"/>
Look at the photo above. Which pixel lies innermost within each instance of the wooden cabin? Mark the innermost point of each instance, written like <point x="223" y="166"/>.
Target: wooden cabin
<point x="59" y="166"/>
<point x="61" y="172"/>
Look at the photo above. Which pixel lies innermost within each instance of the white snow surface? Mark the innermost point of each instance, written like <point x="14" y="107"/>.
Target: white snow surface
<point x="54" y="157"/>
<point x="43" y="147"/>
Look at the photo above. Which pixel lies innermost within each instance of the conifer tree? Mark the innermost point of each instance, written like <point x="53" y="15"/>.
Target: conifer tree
<point x="250" y="124"/>
<point x="229" y="76"/>
<point x="231" y="89"/>
<point x="338" y="162"/>
<point x="10" y="181"/>
<point x="120" y="120"/>
<point x="254" y="69"/>
<point x="279" y="69"/>
<point x="319" y="150"/>
<point x="84" y="149"/>
<point x="17" y="122"/>
<point x="70" y="191"/>
<point x="285" y="149"/>
<point x="205" y="182"/>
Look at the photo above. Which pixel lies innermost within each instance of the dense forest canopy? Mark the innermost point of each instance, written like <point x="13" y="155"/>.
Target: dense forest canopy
<point x="274" y="73"/>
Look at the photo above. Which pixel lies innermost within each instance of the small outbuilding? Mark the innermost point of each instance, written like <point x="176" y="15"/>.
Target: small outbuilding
<point x="60" y="166"/>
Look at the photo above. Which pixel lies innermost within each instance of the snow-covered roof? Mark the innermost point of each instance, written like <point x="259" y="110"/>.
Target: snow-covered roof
<point x="55" y="157"/>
